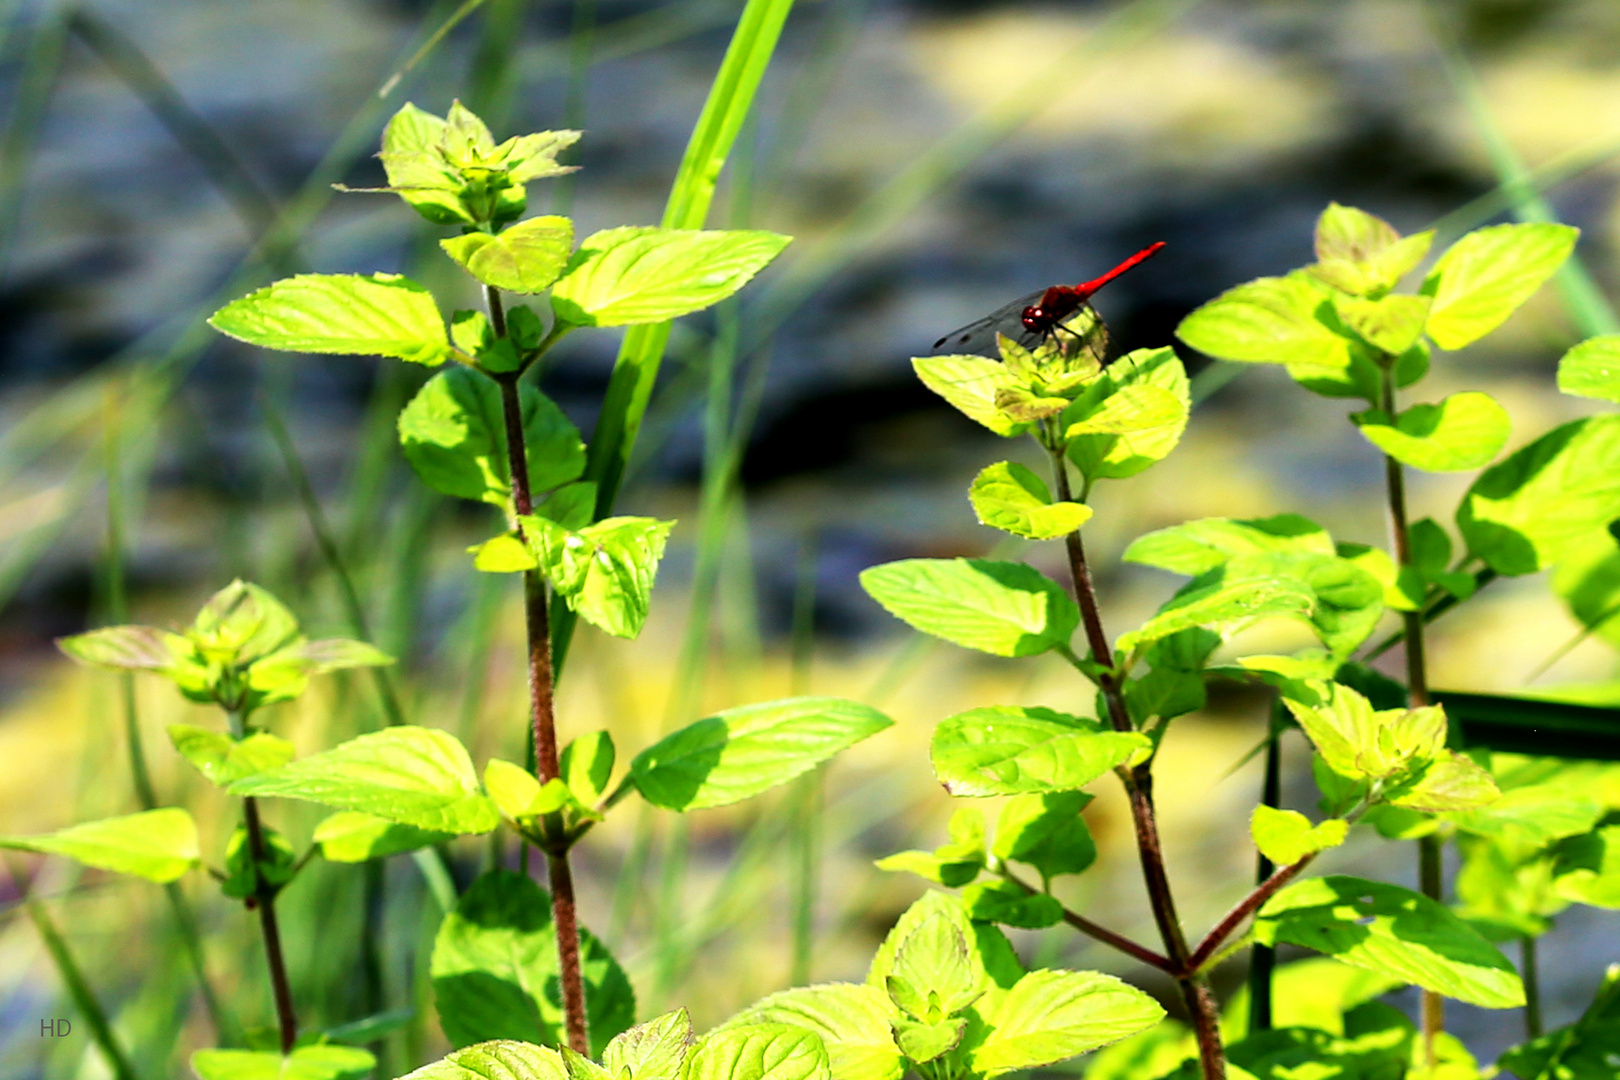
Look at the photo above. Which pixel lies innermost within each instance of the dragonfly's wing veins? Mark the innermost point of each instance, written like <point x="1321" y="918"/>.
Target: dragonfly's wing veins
<point x="979" y="337"/>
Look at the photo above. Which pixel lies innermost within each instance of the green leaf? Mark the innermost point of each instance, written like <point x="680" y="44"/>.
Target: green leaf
<point x="1315" y="992"/>
<point x="223" y="759"/>
<point x="1587" y="868"/>
<point x="1584" y="1050"/>
<point x="126" y="648"/>
<point x="159" y="845"/>
<point x="1008" y="609"/>
<point x="1268" y="321"/>
<point x="472" y="334"/>
<point x="1049" y="1016"/>
<point x="411" y="775"/>
<point x="453" y="433"/>
<point x="952" y="864"/>
<point x="1005" y="750"/>
<point x="1359" y="253"/>
<point x="587" y="766"/>
<point x="990" y="956"/>
<point x="1394" y="931"/>
<point x="852" y="1020"/>
<point x="1046" y="832"/>
<point x="503" y="554"/>
<point x="498" y="1059"/>
<point x="1136" y="411"/>
<point x="1009" y="497"/>
<point x="345" y="314"/>
<point x="1592" y="369"/>
<point x="272" y="867"/>
<point x="1196" y="547"/>
<point x="524" y="258"/>
<point x="349" y="837"/>
<point x="1287" y="836"/>
<point x="1535" y="814"/>
<point x="304" y="1063"/>
<point x="1463" y="432"/>
<point x="1392" y="324"/>
<point x="655" y="1050"/>
<point x="646" y="274"/>
<point x="932" y="974"/>
<point x="971" y="384"/>
<point x="1545" y="500"/>
<point x="1449" y="782"/>
<point x="605" y="571"/>
<point x="741" y="752"/>
<point x="759" y="1052"/>
<point x="922" y="1043"/>
<point x="1225" y="600"/>
<point x="1485" y="276"/>
<point x="1008" y="904"/>
<point x="1359" y="742"/>
<point x="494" y="969"/>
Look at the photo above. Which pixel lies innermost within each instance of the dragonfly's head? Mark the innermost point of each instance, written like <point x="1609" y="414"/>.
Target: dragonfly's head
<point x="1035" y="319"/>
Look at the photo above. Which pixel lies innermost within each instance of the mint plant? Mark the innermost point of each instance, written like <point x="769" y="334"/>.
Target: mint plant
<point x="1385" y="754"/>
<point x="482" y="431"/>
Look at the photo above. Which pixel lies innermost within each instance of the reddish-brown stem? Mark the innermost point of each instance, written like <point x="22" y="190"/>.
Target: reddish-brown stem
<point x="1100" y="933"/>
<point x="1417" y="687"/>
<point x="542" y="715"/>
<point x="264" y="898"/>
<point x="1243" y="909"/>
<point x="1138" y="783"/>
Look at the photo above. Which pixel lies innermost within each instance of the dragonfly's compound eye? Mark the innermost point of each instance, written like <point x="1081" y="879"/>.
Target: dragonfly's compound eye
<point x="1033" y="317"/>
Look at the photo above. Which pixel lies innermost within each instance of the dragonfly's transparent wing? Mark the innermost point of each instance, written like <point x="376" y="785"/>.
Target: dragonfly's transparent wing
<point x="1084" y="334"/>
<point x="979" y="337"/>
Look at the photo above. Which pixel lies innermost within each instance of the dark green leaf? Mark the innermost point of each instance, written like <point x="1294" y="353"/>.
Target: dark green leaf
<point x="1008" y="904"/>
<point x="453" y="433"/>
<point x="1046" y="832"/>
<point x="495" y="969"/>
<point x="1538" y="506"/>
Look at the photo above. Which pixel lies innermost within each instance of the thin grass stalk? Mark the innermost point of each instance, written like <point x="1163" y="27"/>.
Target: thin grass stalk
<point x="1263" y="958"/>
<point x="635" y="371"/>
<point x="1528" y="968"/>
<point x="1587" y="306"/>
<point x="806" y="841"/>
<point x="117" y="599"/>
<point x="194" y="134"/>
<point x="35" y="83"/>
<point x="78" y="987"/>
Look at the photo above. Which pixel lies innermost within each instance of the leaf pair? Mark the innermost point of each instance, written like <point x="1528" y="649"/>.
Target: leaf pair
<point x="981" y="1014"/>
<point x="244" y="650"/>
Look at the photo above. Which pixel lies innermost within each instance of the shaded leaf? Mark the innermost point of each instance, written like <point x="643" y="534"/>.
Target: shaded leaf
<point x="349" y="836"/>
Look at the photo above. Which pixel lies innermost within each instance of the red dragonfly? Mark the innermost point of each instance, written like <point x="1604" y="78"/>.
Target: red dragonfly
<point x="1032" y="319"/>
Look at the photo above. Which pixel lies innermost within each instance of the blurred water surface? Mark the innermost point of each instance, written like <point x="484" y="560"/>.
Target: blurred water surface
<point x="934" y="158"/>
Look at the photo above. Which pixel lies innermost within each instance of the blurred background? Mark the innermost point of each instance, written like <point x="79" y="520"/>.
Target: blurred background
<point x="934" y="158"/>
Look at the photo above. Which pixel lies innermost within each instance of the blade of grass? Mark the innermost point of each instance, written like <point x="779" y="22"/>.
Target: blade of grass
<point x="1588" y="307"/>
<point x="41" y="66"/>
<point x="78" y="987"/>
<point x="187" y="127"/>
<point x="636" y="369"/>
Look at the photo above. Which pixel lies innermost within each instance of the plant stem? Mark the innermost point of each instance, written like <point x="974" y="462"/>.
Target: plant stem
<point x="1243" y="909"/>
<point x="78" y="987"/>
<point x="264" y="897"/>
<point x="542" y="715"/>
<point x="1100" y="933"/>
<point x="1417" y="686"/>
<point x="1139" y="787"/>
<point x="1532" y="986"/>
<point x="1263" y="958"/>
